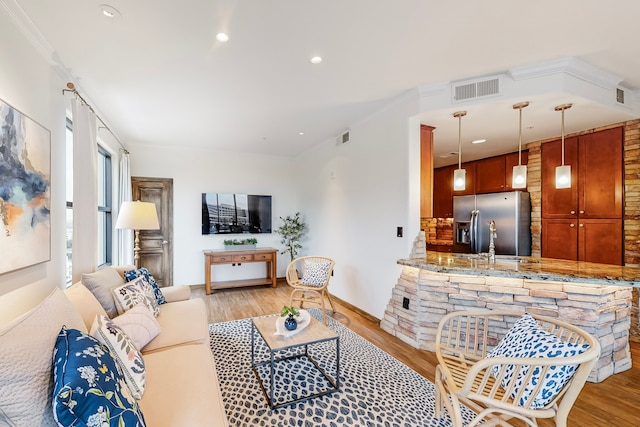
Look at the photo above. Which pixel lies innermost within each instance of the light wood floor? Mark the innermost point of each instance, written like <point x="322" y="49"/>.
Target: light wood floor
<point x="614" y="402"/>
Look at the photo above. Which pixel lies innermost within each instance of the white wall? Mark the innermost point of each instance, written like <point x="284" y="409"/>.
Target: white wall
<point x="197" y="171"/>
<point x="355" y="195"/>
<point x="29" y="84"/>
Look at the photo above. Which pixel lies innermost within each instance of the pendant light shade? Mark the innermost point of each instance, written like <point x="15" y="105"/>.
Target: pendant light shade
<point x="563" y="172"/>
<point x="519" y="177"/>
<point x="459" y="175"/>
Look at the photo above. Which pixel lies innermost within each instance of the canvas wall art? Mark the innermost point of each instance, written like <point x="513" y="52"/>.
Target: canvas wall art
<point x="25" y="187"/>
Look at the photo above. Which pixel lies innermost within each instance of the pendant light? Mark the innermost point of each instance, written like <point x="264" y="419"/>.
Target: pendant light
<point x="519" y="177"/>
<point x="459" y="175"/>
<point x="563" y="172"/>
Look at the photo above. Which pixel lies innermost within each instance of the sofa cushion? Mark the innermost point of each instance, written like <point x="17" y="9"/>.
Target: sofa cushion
<point x="176" y="293"/>
<point x="133" y="293"/>
<point x="181" y="322"/>
<point x="528" y="339"/>
<point x="101" y="283"/>
<point x="88" y="386"/>
<point x="124" y="352"/>
<point x="144" y="272"/>
<point x="25" y="360"/>
<point x="139" y="325"/>
<point x="178" y="380"/>
<point x="85" y="302"/>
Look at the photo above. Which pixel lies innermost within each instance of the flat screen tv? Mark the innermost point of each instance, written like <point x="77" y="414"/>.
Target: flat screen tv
<point x="224" y="213"/>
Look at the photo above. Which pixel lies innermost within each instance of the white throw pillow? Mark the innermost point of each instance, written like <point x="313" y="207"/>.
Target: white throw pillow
<point x="315" y="273"/>
<point x="134" y="293"/>
<point x="139" y="324"/>
<point x="101" y="283"/>
<point x="124" y="352"/>
<point x="26" y="355"/>
<point x="528" y="339"/>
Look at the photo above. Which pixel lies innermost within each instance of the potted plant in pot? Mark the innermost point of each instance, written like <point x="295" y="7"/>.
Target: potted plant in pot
<point x="290" y="323"/>
<point x="291" y="230"/>
<point x="240" y="245"/>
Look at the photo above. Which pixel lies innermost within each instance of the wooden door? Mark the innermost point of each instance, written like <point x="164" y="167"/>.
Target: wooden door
<point x="511" y="160"/>
<point x="560" y="239"/>
<point x="559" y="203"/>
<point x="443" y="192"/>
<point x="490" y="174"/>
<point x="600" y="240"/>
<point x="156" y="249"/>
<point x="600" y="184"/>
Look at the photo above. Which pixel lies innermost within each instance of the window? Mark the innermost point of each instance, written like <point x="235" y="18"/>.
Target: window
<point x="104" y="237"/>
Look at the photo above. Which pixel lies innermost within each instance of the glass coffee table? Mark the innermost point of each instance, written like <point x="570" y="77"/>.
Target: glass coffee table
<point x="311" y="353"/>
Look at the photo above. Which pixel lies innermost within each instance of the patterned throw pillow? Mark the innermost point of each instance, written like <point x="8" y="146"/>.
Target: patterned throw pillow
<point x="88" y="386"/>
<point x="139" y="325"/>
<point x="144" y="272"/>
<point x="528" y="339"/>
<point x="124" y="352"/>
<point x="315" y="273"/>
<point x="133" y="293"/>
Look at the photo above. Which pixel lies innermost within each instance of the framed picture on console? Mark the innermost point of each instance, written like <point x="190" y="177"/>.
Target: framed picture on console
<point x="25" y="187"/>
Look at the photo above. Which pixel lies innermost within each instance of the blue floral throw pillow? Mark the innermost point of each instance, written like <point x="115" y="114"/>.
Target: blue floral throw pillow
<point x="528" y="339"/>
<point x="89" y="389"/>
<point x="144" y="272"/>
<point x="315" y="273"/>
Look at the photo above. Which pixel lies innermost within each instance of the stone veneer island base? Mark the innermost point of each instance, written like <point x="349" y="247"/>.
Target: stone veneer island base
<point x="592" y="296"/>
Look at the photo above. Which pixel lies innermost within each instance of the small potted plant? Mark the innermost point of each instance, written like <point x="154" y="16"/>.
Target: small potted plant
<point x="291" y="230"/>
<point x="239" y="245"/>
<point x="290" y="323"/>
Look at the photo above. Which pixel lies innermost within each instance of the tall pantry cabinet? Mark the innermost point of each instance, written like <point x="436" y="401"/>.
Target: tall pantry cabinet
<point x="584" y="222"/>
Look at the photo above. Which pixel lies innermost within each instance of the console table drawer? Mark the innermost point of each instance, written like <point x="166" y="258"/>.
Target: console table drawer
<point x="242" y="258"/>
<point x="263" y="257"/>
<point x="221" y="259"/>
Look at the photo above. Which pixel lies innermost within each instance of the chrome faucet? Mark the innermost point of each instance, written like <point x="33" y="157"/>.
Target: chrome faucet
<point x="492" y="235"/>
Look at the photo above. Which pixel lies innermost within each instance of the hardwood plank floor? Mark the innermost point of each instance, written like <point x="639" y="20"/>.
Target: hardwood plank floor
<point x="614" y="402"/>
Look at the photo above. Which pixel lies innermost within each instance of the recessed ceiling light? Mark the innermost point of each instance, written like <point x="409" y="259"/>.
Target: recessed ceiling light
<point x="478" y="141"/>
<point x="300" y="133"/>
<point x="109" y="11"/>
<point x="222" y="37"/>
<point x="316" y="60"/>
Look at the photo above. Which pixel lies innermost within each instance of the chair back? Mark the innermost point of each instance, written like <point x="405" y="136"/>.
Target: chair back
<point x="310" y="271"/>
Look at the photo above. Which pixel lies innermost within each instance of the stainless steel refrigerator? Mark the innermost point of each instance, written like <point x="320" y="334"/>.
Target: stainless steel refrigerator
<point x="511" y="212"/>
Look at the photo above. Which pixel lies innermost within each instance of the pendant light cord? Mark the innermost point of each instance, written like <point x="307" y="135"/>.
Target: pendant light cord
<point x="459" y="141"/>
<point x="520" y="141"/>
<point x="563" y="137"/>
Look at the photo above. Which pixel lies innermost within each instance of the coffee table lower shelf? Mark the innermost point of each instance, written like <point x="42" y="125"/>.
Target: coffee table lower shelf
<point x="296" y="348"/>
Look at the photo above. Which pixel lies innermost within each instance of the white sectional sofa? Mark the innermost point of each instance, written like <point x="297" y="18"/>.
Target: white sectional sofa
<point x="181" y="381"/>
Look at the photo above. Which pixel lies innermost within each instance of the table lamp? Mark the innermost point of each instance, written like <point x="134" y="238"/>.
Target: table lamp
<point x="137" y="216"/>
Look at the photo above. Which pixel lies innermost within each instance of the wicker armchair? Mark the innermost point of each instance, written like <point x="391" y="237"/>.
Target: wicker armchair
<point x="309" y="276"/>
<point x="493" y="387"/>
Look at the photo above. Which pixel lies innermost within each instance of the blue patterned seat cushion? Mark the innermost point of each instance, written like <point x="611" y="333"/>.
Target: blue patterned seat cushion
<point x="144" y="272"/>
<point x="89" y="389"/>
<point x="528" y="339"/>
<point x="315" y="273"/>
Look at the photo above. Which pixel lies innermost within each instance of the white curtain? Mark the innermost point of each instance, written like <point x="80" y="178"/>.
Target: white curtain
<point x="85" y="191"/>
<point x="125" y="237"/>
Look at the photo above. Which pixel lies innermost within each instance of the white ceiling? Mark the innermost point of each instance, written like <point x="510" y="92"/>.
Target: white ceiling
<point x="157" y="75"/>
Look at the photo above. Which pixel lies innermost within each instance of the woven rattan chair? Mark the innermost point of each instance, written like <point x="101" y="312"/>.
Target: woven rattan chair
<point x="309" y="276"/>
<point x="464" y="373"/>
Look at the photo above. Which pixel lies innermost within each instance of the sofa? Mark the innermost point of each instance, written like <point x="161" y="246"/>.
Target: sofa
<point x="181" y="381"/>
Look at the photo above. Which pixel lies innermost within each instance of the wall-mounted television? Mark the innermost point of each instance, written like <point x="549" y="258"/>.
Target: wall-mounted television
<point x="225" y="213"/>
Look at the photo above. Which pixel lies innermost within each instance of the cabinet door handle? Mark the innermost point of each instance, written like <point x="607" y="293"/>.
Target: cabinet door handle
<point x="581" y="212"/>
<point x="573" y="212"/>
<point x="223" y="259"/>
<point x="243" y="257"/>
<point x="581" y="225"/>
<point x="572" y="225"/>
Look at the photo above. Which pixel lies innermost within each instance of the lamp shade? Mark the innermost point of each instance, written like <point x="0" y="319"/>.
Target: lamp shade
<point x="519" y="177"/>
<point x="459" y="179"/>
<point x="138" y="216"/>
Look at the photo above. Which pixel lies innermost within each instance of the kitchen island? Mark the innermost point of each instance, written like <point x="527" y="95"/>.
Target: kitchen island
<point x="595" y="297"/>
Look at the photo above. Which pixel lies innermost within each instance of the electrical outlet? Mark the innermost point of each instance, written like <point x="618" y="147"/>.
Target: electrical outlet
<point x="399" y="232"/>
<point x="405" y="303"/>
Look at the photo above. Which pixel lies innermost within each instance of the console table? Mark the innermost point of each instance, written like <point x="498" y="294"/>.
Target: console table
<point x="266" y="255"/>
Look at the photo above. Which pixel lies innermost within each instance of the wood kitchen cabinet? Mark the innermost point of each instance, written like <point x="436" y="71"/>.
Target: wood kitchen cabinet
<point x="490" y="175"/>
<point x="584" y="222"/>
<point x="443" y="192"/>
<point x="591" y="240"/>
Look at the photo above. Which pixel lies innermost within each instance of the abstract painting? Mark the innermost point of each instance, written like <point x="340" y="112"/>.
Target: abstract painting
<point x="25" y="186"/>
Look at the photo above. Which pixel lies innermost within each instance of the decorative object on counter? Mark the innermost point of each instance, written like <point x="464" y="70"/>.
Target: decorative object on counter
<point x="459" y="175"/>
<point x="137" y="216"/>
<point x="291" y="230"/>
<point x="519" y="179"/>
<point x="240" y="245"/>
<point x="290" y="323"/>
<point x="563" y="172"/>
<point x="492" y="247"/>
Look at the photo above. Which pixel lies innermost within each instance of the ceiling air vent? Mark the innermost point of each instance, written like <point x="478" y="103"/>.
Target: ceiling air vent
<point x="620" y="95"/>
<point x="342" y="138"/>
<point x="476" y="89"/>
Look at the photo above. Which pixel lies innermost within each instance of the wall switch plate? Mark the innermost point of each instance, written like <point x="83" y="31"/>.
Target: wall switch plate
<point x="405" y="303"/>
<point x="399" y="232"/>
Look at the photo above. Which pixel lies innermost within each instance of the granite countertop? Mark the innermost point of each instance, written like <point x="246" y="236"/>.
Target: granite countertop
<point x="525" y="267"/>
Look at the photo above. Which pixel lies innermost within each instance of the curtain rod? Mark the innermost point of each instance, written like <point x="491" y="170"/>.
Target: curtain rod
<point x="71" y="88"/>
